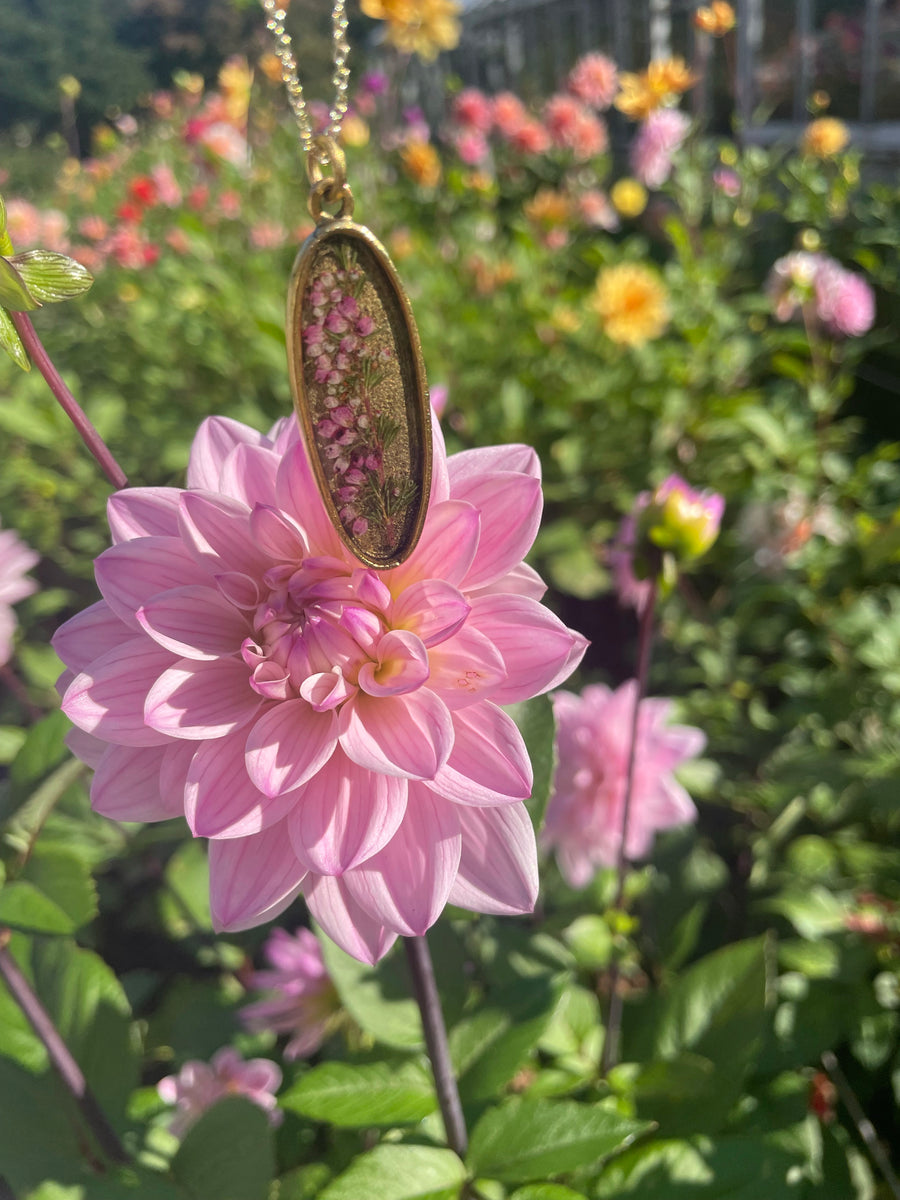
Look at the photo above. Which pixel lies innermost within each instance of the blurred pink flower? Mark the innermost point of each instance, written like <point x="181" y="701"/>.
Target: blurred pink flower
<point x="509" y="114"/>
<point x="791" y="281"/>
<point x="438" y="395"/>
<point x="168" y="191"/>
<point x="473" y="110"/>
<point x="323" y="724"/>
<point x="15" y="559"/>
<point x="178" y="240"/>
<point x="844" y="301"/>
<point x="530" y="138"/>
<point x="225" y="142"/>
<point x="588" y="138"/>
<point x="596" y="211"/>
<point x="594" y="80"/>
<point x="130" y="248"/>
<point x="267" y="235"/>
<point x="632" y="592"/>
<point x="471" y="146"/>
<point x="303" y="1001"/>
<point x="23" y="223"/>
<point x="656" y="142"/>
<point x="584" y="816"/>
<point x="561" y="114"/>
<point x="198" y="1085"/>
<point x="93" y="227"/>
<point x="728" y="182"/>
<point x="229" y="204"/>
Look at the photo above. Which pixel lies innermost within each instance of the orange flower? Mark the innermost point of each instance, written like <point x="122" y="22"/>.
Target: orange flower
<point x="421" y="163"/>
<point x="636" y="99"/>
<point x="423" y="27"/>
<point x="548" y="208"/>
<point x="270" y="65"/>
<point x="670" y="76"/>
<point x="643" y="94"/>
<point x="716" y="20"/>
<point x="632" y="303"/>
<point x="825" y="137"/>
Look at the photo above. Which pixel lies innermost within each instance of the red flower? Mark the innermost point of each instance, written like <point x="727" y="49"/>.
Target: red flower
<point x="131" y="213"/>
<point x="142" y="191"/>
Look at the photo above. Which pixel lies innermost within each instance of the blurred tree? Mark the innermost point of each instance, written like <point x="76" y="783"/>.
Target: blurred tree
<point x="42" y="41"/>
<point x="189" y="35"/>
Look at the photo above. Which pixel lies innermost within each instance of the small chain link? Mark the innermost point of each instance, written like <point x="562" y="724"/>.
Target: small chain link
<point x="285" y="51"/>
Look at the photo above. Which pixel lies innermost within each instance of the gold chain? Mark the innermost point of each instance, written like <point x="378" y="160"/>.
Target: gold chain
<point x="285" y="51"/>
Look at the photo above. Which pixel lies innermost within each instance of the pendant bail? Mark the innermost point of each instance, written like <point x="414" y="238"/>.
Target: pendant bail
<point x="326" y="168"/>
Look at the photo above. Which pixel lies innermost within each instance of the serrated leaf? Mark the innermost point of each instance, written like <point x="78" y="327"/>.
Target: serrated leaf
<point x="400" y="1173"/>
<point x="522" y="1140"/>
<point x="227" y="1154"/>
<point x="14" y="293"/>
<point x="361" y="1095"/>
<point x="11" y="342"/>
<point x="51" y="277"/>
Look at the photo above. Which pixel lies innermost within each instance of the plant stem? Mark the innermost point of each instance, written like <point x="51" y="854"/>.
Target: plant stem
<point x="864" y="1126"/>
<point x="645" y="644"/>
<point x="70" y="405"/>
<point x="60" y="1055"/>
<point x="420" y="965"/>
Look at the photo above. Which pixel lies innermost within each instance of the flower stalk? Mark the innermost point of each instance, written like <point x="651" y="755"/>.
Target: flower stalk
<point x="419" y="958"/>
<point x="70" y="405"/>
<point x="71" y="1074"/>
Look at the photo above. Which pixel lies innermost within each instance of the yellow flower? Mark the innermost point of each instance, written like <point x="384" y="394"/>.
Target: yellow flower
<point x="270" y="65"/>
<point x="629" y="197"/>
<point x="640" y="95"/>
<point x="423" y="27"/>
<point x="548" y="208"/>
<point x="670" y="76"/>
<point x="421" y="163"/>
<point x="632" y="303"/>
<point x="235" y="79"/>
<point x="354" y="131"/>
<point x="825" y="137"/>
<point x="636" y="99"/>
<point x="717" y="20"/>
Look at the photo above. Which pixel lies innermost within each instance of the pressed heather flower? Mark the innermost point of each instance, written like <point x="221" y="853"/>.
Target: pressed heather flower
<point x="328" y="727"/>
<point x="584" y="816"/>
<point x="199" y="1085"/>
<point x="594" y="80"/>
<point x="632" y="303"/>
<point x="15" y="559"/>
<point x="660" y="136"/>
<point x="303" y="1001"/>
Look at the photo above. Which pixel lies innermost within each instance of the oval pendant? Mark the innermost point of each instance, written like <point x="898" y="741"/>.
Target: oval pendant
<point x="360" y="392"/>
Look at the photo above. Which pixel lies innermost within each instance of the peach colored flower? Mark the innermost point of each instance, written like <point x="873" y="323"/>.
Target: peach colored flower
<point x="594" y="80"/>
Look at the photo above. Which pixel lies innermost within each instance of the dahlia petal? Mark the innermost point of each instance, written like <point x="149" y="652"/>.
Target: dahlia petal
<point x="216" y="531"/>
<point x="445" y="549"/>
<point x="406" y="884"/>
<point x="498" y="869"/>
<point x="249" y="474"/>
<point x="195" y="622"/>
<point x="539" y="651"/>
<point x="466" y="668"/>
<point x="89" y="635"/>
<point x="131" y="572"/>
<point x="176" y="761"/>
<point x="431" y="608"/>
<point x="87" y="748"/>
<point x="220" y="801"/>
<point x="200" y="700"/>
<point x="213" y="442"/>
<point x="126" y="785"/>
<point x="344" y="815"/>
<point x="402" y="665"/>
<point x="276" y="535"/>
<point x="520" y="581"/>
<point x="252" y="879"/>
<point x="510" y="507"/>
<point x="346" y="922"/>
<point x="440" y="478"/>
<point x="472" y="465"/>
<point x="489" y="763"/>
<point x="108" y="699"/>
<point x="409" y="735"/>
<point x="297" y="493"/>
<point x="143" y="512"/>
<point x="288" y="745"/>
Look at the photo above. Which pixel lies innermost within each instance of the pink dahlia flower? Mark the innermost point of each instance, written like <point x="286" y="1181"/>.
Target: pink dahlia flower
<point x="509" y="113"/>
<point x="473" y="111"/>
<point x="844" y="301"/>
<point x="594" y="80"/>
<point x="327" y="726"/>
<point x="632" y="591"/>
<point x="303" y="1002"/>
<point x="15" y="559"/>
<point x="198" y="1085"/>
<point x="657" y="141"/>
<point x="584" y="817"/>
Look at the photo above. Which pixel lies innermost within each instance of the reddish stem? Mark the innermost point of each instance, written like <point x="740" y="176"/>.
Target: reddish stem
<point x="70" y="405"/>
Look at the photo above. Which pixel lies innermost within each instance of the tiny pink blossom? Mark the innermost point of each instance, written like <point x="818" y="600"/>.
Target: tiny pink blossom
<point x="728" y="182"/>
<point x="656" y="142"/>
<point x="584" y="816"/>
<point x="199" y="1085"/>
<point x="473" y="111"/>
<point x="303" y="1002"/>
<point x="594" y="80"/>
<point x="328" y="728"/>
<point x="15" y="559"/>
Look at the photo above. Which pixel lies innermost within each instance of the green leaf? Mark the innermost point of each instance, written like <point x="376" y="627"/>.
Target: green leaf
<point x="64" y="878"/>
<point x="489" y="1047"/>
<point x="228" y="1154"/>
<point x="11" y="342"/>
<point x="538" y="728"/>
<point x="399" y="1173"/>
<point x="351" y="1096"/>
<point x="523" y="1140"/>
<point x="14" y="293"/>
<point x="38" y="1138"/>
<point x="590" y="940"/>
<point x="184" y="903"/>
<point x="546" y="1191"/>
<point x="23" y="906"/>
<point x="732" y="1168"/>
<point x="43" y="750"/>
<point x="52" y="277"/>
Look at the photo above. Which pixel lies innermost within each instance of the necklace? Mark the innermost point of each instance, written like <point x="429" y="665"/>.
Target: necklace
<point x="354" y="356"/>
